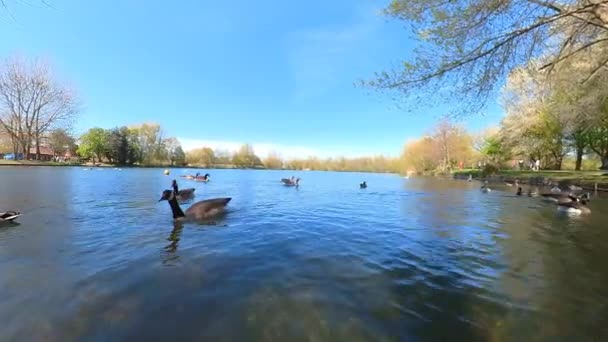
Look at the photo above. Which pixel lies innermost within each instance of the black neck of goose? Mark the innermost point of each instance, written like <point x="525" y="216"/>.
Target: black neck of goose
<point x="177" y="211"/>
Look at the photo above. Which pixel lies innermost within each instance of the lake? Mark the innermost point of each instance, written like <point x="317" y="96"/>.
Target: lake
<point x="96" y="257"/>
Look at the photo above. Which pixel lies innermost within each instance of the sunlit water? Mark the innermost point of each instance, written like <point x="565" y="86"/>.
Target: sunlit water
<point x="97" y="258"/>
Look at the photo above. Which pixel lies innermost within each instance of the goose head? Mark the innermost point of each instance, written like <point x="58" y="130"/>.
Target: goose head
<point x="166" y="195"/>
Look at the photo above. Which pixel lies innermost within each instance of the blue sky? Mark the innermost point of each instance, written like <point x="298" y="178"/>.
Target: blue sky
<point x="276" y="74"/>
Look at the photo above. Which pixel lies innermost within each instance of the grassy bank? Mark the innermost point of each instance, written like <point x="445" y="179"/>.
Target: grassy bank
<point x="34" y="163"/>
<point x="587" y="179"/>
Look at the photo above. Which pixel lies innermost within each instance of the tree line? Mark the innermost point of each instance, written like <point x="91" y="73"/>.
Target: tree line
<point x="143" y="145"/>
<point x="245" y="157"/>
<point x="551" y="118"/>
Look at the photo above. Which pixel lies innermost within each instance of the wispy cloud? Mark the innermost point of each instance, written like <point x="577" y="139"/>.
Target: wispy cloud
<point x="317" y="56"/>
<point x="263" y="149"/>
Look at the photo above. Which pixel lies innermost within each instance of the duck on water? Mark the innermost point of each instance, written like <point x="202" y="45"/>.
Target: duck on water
<point x="561" y="197"/>
<point x="197" y="177"/>
<point x="484" y="188"/>
<point x="9" y="216"/>
<point x="291" y="181"/>
<point x="199" y="211"/>
<point x="574" y="206"/>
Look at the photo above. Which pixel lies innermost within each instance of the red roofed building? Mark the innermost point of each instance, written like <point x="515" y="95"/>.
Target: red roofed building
<point x="46" y="153"/>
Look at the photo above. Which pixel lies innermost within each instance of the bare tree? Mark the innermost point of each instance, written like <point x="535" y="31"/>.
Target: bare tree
<point x="468" y="46"/>
<point x="32" y="102"/>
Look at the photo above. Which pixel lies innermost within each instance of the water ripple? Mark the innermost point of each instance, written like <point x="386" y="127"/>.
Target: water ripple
<point x="96" y="257"/>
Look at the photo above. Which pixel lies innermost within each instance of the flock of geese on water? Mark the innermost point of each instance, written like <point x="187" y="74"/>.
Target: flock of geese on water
<point x="199" y="211"/>
<point x="572" y="201"/>
<point x="209" y="208"/>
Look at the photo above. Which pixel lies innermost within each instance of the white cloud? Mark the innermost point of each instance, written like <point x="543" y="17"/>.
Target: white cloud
<point x="262" y="149"/>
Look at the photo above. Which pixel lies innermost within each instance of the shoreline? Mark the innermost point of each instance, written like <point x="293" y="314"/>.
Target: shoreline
<point x="10" y="163"/>
<point x="588" y="180"/>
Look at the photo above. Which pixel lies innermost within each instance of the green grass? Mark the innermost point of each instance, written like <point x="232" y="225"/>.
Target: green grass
<point x="34" y="163"/>
<point x="567" y="175"/>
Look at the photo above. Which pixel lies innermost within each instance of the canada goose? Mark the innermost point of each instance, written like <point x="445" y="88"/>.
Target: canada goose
<point x="519" y="190"/>
<point x="564" y="197"/>
<point x="199" y="211"/>
<point x="9" y="216"/>
<point x="185" y="194"/>
<point x="363" y="185"/>
<point x="291" y="182"/>
<point x="574" y="207"/>
<point x="555" y="189"/>
<point x="204" y="178"/>
<point x="484" y="188"/>
<point x="532" y="194"/>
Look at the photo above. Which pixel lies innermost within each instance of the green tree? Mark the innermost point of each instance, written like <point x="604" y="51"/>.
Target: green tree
<point x="94" y="143"/>
<point x="494" y="150"/>
<point x="122" y="146"/>
<point x="149" y="142"/>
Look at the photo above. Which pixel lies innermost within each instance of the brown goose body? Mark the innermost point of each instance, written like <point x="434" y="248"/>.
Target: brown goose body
<point x="185" y="194"/>
<point x="291" y="182"/>
<point x="199" y="211"/>
<point x="207" y="209"/>
<point x="564" y="197"/>
<point x="574" y="207"/>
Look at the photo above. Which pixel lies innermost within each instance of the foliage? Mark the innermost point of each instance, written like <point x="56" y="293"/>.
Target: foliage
<point x="122" y="146"/>
<point x="201" y="156"/>
<point x="245" y="158"/>
<point x="466" y="47"/>
<point x="141" y="145"/>
<point x="550" y="118"/>
<point x="61" y="141"/>
<point x="273" y="161"/>
<point x="494" y="150"/>
<point x="448" y="146"/>
<point x="489" y="169"/>
<point x="361" y="164"/>
<point x="93" y="144"/>
<point x="175" y="153"/>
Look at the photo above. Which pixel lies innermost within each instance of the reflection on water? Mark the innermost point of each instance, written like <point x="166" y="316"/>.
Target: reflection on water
<point x="96" y="257"/>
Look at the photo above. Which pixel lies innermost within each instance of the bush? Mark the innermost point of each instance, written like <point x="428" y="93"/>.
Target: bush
<point x="490" y="169"/>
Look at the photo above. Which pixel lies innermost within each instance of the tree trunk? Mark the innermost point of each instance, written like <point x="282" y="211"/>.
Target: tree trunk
<point x="579" y="158"/>
<point x="37" y="148"/>
<point x="15" y="146"/>
<point x="604" y="162"/>
<point x="558" y="163"/>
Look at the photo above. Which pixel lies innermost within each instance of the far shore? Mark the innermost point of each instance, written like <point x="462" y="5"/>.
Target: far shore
<point x="106" y="165"/>
<point x="28" y="163"/>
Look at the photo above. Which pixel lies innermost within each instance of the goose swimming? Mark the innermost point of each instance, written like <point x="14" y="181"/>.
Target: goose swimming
<point x="199" y="211"/>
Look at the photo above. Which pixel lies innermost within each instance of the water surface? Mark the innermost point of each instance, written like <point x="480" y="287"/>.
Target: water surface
<point x="97" y="258"/>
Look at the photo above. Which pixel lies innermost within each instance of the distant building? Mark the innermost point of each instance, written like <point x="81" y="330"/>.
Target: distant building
<point x="46" y="153"/>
